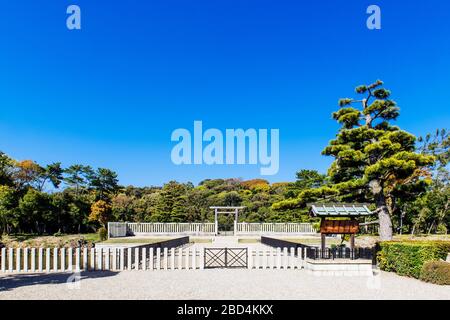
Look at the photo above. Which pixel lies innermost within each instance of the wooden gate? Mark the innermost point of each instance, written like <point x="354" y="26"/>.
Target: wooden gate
<point x="225" y="258"/>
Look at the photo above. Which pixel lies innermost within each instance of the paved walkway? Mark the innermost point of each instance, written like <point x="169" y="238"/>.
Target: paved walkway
<point x="217" y="284"/>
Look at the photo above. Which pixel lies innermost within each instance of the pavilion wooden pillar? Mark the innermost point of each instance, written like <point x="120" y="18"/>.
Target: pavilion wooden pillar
<point x="352" y="241"/>
<point x="323" y="242"/>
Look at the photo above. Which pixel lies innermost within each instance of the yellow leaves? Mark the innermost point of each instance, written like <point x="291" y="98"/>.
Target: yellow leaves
<point x="100" y="212"/>
<point x="256" y="184"/>
<point x="27" y="170"/>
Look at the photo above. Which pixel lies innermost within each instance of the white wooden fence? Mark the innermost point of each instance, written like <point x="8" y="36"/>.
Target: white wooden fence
<point x="121" y="229"/>
<point x="245" y="228"/>
<point x="164" y="228"/>
<point x="48" y="260"/>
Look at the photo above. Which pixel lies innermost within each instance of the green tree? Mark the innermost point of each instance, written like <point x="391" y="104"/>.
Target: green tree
<point x="6" y="169"/>
<point x="122" y="207"/>
<point x="171" y="206"/>
<point x="372" y="158"/>
<point x="53" y="173"/>
<point x="105" y="183"/>
<point x="309" y="179"/>
<point x="36" y="211"/>
<point x="8" y="204"/>
<point x="78" y="176"/>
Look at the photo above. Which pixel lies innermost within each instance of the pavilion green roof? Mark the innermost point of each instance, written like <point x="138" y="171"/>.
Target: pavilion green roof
<point x="340" y="210"/>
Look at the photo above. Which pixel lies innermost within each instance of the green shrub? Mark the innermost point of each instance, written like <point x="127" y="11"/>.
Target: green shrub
<point x="58" y="234"/>
<point x="407" y="258"/>
<point x="441" y="229"/>
<point x="437" y="272"/>
<point x="103" y="234"/>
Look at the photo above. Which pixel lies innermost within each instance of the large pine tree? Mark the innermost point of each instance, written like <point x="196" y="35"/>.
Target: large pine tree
<point x="374" y="160"/>
<point x="372" y="157"/>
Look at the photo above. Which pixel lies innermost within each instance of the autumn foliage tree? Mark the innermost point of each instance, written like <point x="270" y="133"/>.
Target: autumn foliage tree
<point x="100" y="212"/>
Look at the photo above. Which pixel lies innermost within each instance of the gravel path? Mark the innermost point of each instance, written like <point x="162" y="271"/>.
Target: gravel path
<point x="217" y="284"/>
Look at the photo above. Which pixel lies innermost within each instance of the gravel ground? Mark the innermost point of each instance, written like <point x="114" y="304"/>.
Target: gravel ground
<point x="217" y="284"/>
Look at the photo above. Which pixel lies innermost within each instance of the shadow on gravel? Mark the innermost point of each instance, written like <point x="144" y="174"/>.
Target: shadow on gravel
<point x="13" y="281"/>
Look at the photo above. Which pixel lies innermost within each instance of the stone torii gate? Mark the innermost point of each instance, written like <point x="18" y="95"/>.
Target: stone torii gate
<point x="226" y="210"/>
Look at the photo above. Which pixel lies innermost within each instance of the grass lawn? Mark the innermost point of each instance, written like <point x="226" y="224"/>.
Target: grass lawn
<point x="134" y="240"/>
<point x="247" y="240"/>
<point x="200" y="240"/>
<point x="34" y="240"/>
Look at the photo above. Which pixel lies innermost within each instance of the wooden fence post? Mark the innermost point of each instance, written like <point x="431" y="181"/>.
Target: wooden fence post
<point x="136" y="258"/>
<point x="63" y="259"/>
<point x="3" y="267"/>
<point x="77" y="260"/>
<point x="70" y="259"/>
<point x="286" y="259"/>
<point x="152" y="261"/>
<point x="292" y="258"/>
<point x="202" y="259"/>
<point x="172" y="258"/>
<point x="92" y="266"/>
<point x="107" y="259"/>
<point x="250" y="258"/>
<point x="158" y="258"/>
<point x="41" y="258"/>
<point x="33" y="259"/>
<point x="129" y="259"/>
<point x="166" y="259"/>
<point x="55" y="259"/>
<point x="144" y="258"/>
<point x="18" y="252"/>
<point x="47" y="260"/>
<point x="122" y="259"/>
<point x="180" y="258"/>
<point x="10" y="259"/>
<point x="25" y="260"/>
<point x="194" y="257"/>
<point x="99" y="259"/>
<point x="85" y="259"/>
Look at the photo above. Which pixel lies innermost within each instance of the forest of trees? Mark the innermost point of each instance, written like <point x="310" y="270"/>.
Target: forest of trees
<point x="404" y="178"/>
<point x="82" y="199"/>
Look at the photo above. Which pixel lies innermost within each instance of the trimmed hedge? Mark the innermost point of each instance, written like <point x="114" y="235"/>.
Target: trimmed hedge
<point x="437" y="272"/>
<point x="407" y="258"/>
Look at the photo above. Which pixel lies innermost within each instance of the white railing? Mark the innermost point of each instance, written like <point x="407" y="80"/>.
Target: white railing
<point x="50" y="260"/>
<point x="117" y="229"/>
<point x="171" y="228"/>
<point x="245" y="228"/>
<point x="121" y="229"/>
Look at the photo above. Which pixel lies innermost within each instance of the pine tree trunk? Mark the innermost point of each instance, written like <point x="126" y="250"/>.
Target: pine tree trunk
<point x="384" y="218"/>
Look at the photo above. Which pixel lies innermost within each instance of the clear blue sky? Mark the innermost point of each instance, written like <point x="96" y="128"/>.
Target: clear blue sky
<point x="111" y="94"/>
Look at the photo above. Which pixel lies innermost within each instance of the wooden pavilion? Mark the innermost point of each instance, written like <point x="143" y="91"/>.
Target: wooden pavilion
<point x="339" y="219"/>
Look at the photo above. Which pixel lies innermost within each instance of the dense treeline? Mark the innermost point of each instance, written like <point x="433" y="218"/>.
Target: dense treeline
<point x="53" y="199"/>
<point x="406" y="181"/>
